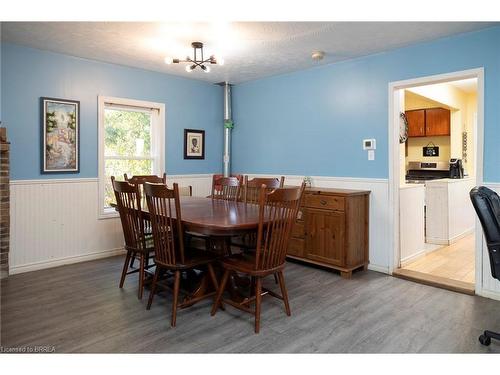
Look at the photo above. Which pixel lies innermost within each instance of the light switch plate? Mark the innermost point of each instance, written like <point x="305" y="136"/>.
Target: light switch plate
<point x="371" y="154"/>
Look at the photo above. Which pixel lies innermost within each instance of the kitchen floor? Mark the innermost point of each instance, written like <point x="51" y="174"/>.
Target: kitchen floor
<point x="455" y="262"/>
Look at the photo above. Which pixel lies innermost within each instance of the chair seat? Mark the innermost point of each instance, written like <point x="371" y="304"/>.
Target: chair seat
<point x="245" y="263"/>
<point x="192" y="258"/>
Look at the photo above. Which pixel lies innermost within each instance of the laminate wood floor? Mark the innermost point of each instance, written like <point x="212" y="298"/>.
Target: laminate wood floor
<point x="455" y="261"/>
<point x="79" y="308"/>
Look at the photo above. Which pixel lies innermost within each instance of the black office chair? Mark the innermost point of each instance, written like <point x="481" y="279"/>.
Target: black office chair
<point x="487" y="205"/>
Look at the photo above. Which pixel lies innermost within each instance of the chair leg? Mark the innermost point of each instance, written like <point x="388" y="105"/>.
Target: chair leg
<point x="258" y="299"/>
<point x="276" y="281"/>
<point x="177" y="282"/>
<point x="125" y="268"/>
<point x="213" y="278"/>
<point x="220" y="291"/>
<point x="153" y="287"/>
<point x="141" y="276"/>
<point x="284" y="293"/>
<point x="132" y="259"/>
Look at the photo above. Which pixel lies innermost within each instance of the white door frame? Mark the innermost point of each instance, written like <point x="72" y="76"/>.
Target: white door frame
<point x="394" y="177"/>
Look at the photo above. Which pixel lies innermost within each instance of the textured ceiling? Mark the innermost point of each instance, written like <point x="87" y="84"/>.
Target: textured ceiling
<point x="251" y="50"/>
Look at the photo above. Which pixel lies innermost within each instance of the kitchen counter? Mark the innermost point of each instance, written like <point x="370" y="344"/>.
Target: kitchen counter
<point x="450" y="181"/>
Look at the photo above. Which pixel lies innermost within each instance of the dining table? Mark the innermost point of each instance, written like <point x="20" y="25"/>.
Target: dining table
<point x="216" y="218"/>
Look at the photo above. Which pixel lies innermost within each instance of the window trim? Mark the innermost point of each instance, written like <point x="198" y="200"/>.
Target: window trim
<point x="158" y="142"/>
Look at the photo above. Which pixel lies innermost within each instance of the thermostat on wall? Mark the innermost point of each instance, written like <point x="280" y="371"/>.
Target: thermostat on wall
<point x="369" y="144"/>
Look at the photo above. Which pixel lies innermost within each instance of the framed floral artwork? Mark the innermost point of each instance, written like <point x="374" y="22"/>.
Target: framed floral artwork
<point x="60" y="135"/>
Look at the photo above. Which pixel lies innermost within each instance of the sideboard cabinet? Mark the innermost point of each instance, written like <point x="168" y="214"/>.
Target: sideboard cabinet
<point x="332" y="229"/>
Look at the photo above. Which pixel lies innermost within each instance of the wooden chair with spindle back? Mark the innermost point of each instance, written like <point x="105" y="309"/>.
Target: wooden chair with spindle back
<point x="168" y="237"/>
<point x="277" y="214"/>
<point x="140" y="180"/>
<point x="251" y="191"/>
<point x="227" y="188"/>
<point x="251" y="188"/>
<point x="128" y="200"/>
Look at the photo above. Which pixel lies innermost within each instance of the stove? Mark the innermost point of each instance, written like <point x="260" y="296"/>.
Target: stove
<point x="419" y="172"/>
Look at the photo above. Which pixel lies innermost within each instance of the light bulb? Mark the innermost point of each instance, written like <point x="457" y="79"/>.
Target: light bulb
<point x="188" y="69"/>
<point x="207" y="69"/>
<point x="168" y="60"/>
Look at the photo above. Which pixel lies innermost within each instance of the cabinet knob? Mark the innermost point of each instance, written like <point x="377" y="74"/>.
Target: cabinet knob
<point x="323" y="202"/>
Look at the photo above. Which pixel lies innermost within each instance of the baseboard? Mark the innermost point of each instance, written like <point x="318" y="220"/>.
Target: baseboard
<point x="413" y="257"/>
<point x="441" y="241"/>
<point x="489" y="294"/>
<point x="35" y="266"/>
<point x="376" y="268"/>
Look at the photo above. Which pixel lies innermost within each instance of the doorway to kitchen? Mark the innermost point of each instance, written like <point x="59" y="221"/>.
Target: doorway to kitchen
<point x="436" y="144"/>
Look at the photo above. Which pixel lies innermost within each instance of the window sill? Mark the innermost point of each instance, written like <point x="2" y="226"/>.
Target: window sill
<point x="108" y="213"/>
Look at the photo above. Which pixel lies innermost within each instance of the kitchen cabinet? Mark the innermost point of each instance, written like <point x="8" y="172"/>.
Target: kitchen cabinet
<point x="416" y="123"/>
<point x="332" y="229"/>
<point x="437" y="121"/>
<point x="428" y="122"/>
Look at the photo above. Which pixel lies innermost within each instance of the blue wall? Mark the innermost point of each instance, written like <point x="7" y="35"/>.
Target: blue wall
<point x="27" y="74"/>
<point x="312" y="122"/>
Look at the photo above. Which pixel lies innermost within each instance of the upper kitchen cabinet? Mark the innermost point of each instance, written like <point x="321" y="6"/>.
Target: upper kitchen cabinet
<point x="428" y="122"/>
<point x="437" y="121"/>
<point x="416" y="123"/>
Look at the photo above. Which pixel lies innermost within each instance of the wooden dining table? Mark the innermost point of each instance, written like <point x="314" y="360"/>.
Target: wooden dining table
<point x="215" y="218"/>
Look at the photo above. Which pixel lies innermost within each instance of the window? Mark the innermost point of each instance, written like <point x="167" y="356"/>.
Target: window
<point x="131" y="141"/>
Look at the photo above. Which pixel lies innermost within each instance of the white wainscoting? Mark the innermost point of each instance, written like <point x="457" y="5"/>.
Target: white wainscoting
<point x="379" y="243"/>
<point x="55" y="222"/>
<point x="490" y="286"/>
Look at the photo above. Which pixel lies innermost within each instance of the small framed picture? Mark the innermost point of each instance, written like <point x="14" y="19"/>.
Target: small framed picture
<point x="194" y="144"/>
<point x="60" y="135"/>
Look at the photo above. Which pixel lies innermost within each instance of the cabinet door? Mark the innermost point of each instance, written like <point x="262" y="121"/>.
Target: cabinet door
<point x="437" y="121"/>
<point x="325" y="236"/>
<point x="416" y="123"/>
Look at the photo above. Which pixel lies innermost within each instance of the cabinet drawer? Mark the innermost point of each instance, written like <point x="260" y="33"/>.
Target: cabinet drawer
<point x="298" y="229"/>
<point x="325" y="201"/>
<point x="296" y="247"/>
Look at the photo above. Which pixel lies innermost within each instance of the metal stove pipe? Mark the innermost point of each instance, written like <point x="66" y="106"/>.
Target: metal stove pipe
<point x="228" y="125"/>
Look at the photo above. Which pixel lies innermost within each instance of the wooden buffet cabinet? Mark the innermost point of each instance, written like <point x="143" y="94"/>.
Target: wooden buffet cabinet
<point x="332" y="229"/>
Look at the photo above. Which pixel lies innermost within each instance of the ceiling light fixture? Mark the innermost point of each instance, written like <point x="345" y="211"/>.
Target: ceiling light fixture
<point x="197" y="60"/>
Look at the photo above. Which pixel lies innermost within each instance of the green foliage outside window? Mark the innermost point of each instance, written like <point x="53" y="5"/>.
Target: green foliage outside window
<point x="127" y="133"/>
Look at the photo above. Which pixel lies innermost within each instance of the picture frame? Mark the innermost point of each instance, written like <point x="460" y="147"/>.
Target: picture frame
<point x="194" y="144"/>
<point x="60" y="135"/>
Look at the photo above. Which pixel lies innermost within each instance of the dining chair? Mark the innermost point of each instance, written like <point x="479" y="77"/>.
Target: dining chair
<point x="277" y="213"/>
<point x="168" y="237"/>
<point x="252" y="187"/>
<point x="140" y="180"/>
<point x="137" y="242"/>
<point x="227" y="188"/>
<point x="251" y="190"/>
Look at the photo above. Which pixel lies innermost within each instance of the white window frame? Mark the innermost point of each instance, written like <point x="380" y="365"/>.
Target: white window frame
<point x="157" y="135"/>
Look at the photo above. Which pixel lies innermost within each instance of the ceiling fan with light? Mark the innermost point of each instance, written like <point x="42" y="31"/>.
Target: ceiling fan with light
<point x="197" y="60"/>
